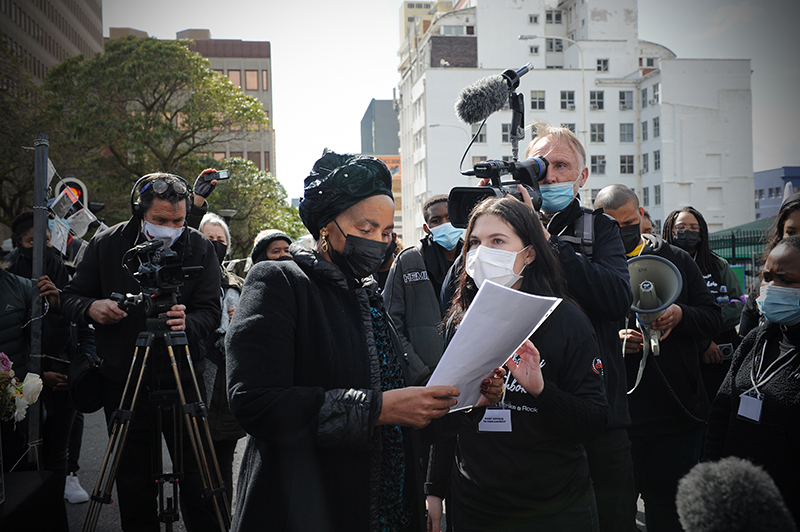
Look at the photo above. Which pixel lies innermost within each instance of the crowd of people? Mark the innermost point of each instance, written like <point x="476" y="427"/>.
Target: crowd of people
<point x="320" y="358"/>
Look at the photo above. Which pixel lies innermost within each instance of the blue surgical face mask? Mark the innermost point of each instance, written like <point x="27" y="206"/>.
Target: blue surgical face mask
<point x="780" y="304"/>
<point x="446" y="235"/>
<point x="557" y="196"/>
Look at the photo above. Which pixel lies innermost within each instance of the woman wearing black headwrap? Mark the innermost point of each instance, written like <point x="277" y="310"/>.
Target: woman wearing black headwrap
<point x="314" y="374"/>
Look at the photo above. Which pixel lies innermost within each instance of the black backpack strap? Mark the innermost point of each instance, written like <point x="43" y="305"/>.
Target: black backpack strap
<point x="583" y="234"/>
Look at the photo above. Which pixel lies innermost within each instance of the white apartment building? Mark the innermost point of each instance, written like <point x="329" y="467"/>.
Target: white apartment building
<point x="677" y="131"/>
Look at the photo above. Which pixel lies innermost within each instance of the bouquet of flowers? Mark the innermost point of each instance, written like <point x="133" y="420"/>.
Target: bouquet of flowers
<point x="16" y="396"/>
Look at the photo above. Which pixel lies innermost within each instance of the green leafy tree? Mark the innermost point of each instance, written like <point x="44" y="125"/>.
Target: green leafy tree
<point x="260" y="201"/>
<point x="144" y="105"/>
<point x="20" y="121"/>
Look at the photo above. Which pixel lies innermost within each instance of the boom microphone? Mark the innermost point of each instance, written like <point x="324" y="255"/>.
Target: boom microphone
<point x="731" y="495"/>
<point x="487" y="95"/>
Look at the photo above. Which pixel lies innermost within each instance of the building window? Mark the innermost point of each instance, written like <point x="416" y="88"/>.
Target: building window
<point x="553" y="16"/>
<point x="481" y="139"/>
<point x="410" y="19"/>
<point x="651" y="61"/>
<point x="599" y="164"/>
<point x="255" y="156"/>
<point x="453" y="30"/>
<point x="657" y="93"/>
<point x="644" y="130"/>
<point x="595" y="99"/>
<point x="645" y="163"/>
<point x="657" y="160"/>
<point x="778" y="192"/>
<point x="602" y="65"/>
<point x="626" y="164"/>
<point x="537" y="100"/>
<point x="555" y="45"/>
<point x="644" y="98"/>
<point x="597" y="132"/>
<point x="571" y="127"/>
<point x="533" y="50"/>
<point x="533" y="19"/>
<point x="625" y="100"/>
<point x="657" y="195"/>
<point x="251" y="80"/>
<point x="236" y="77"/>
<point x="771" y="193"/>
<point x="568" y="100"/>
<point x="646" y="198"/>
<point x="478" y="159"/>
<point x="506" y="132"/>
<point x="761" y="194"/>
<point x="656" y="127"/>
<point x="219" y="155"/>
<point x="626" y="132"/>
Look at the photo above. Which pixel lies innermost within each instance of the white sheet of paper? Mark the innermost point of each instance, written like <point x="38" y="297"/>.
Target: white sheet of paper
<point x="498" y="321"/>
<point x="80" y="221"/>
<point x="60" y="234"/>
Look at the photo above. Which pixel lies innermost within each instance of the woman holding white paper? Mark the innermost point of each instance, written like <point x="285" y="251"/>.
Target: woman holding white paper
<point x="524" y="468"/>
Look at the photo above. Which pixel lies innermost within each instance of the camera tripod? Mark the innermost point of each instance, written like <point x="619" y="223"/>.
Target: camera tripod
<point x="196" y="420"/>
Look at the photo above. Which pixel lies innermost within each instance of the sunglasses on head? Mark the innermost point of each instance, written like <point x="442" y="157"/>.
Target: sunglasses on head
<point x="160" y="186"/>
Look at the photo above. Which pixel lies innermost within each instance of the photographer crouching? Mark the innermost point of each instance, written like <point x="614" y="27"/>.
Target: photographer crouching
<point x="159" y="214"/>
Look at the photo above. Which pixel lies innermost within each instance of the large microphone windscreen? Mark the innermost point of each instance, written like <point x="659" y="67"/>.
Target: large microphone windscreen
<point x="731" y="495"/>
<point x="479" y="100"/>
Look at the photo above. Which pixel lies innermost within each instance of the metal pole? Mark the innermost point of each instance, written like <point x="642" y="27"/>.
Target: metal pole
<point x="41" y="145"/>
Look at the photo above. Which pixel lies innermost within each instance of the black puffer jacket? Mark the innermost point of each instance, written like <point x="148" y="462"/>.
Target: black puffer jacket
<point x="304" y="382"/>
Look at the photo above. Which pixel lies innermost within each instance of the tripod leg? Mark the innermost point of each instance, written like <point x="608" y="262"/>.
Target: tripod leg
<point x="120" y="421"/>
<point x="197" y="447"/>
<point x="207" y="432"/>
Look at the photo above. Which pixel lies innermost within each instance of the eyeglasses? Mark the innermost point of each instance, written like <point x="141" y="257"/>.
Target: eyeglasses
<point x="684" y="227"/>
<point x="160" y="186"/>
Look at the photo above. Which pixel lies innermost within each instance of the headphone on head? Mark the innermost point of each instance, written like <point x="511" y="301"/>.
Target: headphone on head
<point x="136" y="207"/>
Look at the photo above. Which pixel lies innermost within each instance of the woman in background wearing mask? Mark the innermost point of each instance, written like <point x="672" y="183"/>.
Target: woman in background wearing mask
<point x="225" y="432"/>
<point x="787" y="224"/>
<point x="316" y="376"/>
<point x="687" y="229"/>
<point x="533" y="475"/>
<point x="755" y="414"/>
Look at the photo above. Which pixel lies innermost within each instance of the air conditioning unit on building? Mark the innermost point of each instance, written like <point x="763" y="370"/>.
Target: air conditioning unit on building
<point x="642" y="171"/>
<point x="594" y="106"/>
<point x="653" y="101"/>
<point x="571" y="106"/>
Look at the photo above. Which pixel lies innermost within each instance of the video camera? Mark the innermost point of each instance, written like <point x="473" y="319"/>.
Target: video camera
<point x="475" y="104"/>
<point x="159" y="272"/>
<point x="528" y="173"/>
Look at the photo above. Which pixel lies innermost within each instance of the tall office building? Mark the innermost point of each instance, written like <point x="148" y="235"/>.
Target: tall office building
<point x="379" y="129"/>
<point x="45" y="32"/>
<point x="248" y="65"/>
<point x="677" y="131"/>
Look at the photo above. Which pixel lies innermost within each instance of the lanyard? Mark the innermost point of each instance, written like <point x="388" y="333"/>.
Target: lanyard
<point x="760" y="378"/>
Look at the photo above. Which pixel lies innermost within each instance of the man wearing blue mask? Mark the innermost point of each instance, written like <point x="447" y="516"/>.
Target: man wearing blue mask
<point x="415" y="280"/>
<point x="591" y="253"/>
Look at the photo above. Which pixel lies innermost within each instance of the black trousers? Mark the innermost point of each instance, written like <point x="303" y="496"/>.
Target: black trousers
<point x="611" y="467"/>
<point x="136" y="489"/>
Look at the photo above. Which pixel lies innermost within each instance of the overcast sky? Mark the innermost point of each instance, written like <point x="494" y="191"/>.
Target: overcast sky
<point x="329" y="59"/>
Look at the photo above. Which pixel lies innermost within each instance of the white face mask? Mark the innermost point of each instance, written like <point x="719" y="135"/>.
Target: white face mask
<point x="491" y="264"/>
<point x="161" y="232"/>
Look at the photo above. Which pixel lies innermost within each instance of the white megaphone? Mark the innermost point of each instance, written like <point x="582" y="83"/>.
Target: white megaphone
<point x="656" y="283"/>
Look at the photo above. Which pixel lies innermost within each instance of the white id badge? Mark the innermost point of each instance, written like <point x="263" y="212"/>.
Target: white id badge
<point x="750" y="408"/>
<point x="495" y="420"/>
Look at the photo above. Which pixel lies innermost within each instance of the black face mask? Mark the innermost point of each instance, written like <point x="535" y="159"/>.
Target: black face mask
<point x="220" y="249"/>
<point x="49" y="252"/>
<point x="361" y="257"/>
<point x="687" y="240"/>
<point x="390" y="251"/>
<point x="630" y="237"/>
